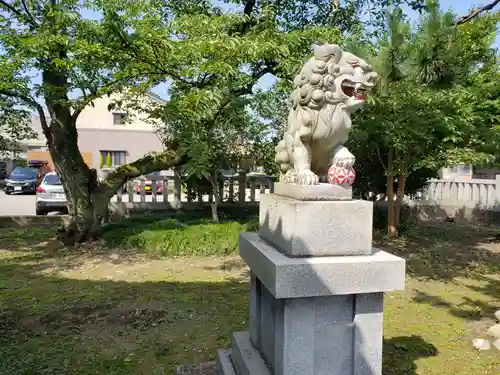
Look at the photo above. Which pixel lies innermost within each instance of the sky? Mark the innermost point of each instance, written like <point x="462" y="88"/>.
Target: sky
<point x="459" y="7"/>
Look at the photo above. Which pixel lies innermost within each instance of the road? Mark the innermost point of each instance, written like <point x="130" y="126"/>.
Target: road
<point x="14" y="205"/>
<point x="20" y="205"/>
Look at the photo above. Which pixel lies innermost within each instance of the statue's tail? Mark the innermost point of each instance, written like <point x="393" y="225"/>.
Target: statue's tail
<point x="282" y="157"/>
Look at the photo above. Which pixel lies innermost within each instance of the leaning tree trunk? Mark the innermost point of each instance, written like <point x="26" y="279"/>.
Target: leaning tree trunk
<point x="86" y="206"/>
<point x="87" y="198"/>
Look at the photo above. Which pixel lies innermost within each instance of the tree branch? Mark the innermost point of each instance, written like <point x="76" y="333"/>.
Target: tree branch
<point x="97" y="93"/>
<point x="143" y="166"/>
<point x="246" y="89"/>
<point x="476" y="12"/>
<point x="380" y="159"/>
<point x="20" y="16"/>
<point x="33" y="104"/>
<point x="30" y="17"/>
<point x="249" y="5"/>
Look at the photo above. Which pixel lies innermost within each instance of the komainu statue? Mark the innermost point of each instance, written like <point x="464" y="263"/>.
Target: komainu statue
<point x="329" y="87"/>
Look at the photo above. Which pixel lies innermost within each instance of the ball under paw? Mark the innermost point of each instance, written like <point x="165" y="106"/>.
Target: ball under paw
<point x="341" y="175"/>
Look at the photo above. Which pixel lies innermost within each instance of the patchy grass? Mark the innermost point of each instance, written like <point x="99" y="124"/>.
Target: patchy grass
<point x="128" y="306"/>
<point x="184" y="234"/>
<point x="178" y="235"/>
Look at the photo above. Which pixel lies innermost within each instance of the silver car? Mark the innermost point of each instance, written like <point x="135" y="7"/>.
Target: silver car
<point x="50" y="196"/>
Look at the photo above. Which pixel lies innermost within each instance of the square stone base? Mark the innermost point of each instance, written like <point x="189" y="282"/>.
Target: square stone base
<point x="208" y="368"/>
<point x="287" y="277"/>
<point x="242" y="358"/>
<point x="316" y="228"/>
<point x="320" y="192"/>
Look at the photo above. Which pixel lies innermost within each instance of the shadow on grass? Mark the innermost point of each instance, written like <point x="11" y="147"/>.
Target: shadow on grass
<point x="401" y="354"/>
<point x="176" y="234"/>
<point x="443" y="251"/>
<point x="69" y="326"/>
<point x="464" y="256"/>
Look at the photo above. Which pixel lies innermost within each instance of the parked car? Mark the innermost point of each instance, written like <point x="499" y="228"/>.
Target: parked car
<point x="42" y="166"/>
<point x="50" y="196"/>
<point x="148" y="184"/>
<point x="21" y="180"/>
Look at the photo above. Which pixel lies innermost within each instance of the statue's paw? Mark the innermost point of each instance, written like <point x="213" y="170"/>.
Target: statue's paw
<point x="307" y="177"/>
<point x="290" y="177"/>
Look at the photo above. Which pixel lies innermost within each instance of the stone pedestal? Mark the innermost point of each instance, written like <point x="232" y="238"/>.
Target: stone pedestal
<point x="316" y="296"/>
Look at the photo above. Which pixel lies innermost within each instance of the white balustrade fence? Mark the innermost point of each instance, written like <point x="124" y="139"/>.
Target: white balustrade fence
<point x="166" y="192"/>
<point x="473" y="193"/>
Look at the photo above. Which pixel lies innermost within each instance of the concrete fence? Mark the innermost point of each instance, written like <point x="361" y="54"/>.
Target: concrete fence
<point x="166" y="193"/>
<point x="469" y="199"/>
<point x="466" y="198"/>
<point x="473" y="192"/>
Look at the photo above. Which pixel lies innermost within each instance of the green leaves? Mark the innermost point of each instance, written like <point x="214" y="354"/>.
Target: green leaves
<point x="436" y="100"/>
<point x="15" y="127"/>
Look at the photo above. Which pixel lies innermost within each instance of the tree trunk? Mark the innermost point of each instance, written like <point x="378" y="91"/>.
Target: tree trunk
<point x="217" y="198"/>
<point x="392" y="230"/>
<point x="87" y="198"/>
<point x="399" y="197"/>
<point x="86" y="206"/>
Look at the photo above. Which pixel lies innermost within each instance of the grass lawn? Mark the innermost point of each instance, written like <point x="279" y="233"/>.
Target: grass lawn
<point x="156" y="293"/>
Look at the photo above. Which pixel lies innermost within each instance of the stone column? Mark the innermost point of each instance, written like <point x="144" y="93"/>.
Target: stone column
<point x="316" y="299"/>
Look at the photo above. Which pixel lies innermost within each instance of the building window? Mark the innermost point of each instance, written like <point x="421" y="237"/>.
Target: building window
<point x="119" y="118"/>
<point x="111" y="159"/>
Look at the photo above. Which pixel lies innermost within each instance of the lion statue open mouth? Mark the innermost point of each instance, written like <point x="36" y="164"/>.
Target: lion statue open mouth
<point x="329" y="87"/>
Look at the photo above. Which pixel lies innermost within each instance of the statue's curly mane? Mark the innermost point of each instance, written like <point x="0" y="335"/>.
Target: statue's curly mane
<point x="313" y="97"/>
<point x="318" y="126"/>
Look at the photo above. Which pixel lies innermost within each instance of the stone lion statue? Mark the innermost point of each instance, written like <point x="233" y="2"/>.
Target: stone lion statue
<point x="329" y="87"/>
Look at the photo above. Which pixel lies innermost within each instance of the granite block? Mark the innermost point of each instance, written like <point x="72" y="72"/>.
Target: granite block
<point x="313" y="228"/>
<point x="224" y="363"/>
<point x="255" y="298"/>
<point x="368" y="333"/>
<point x="287" y="277"/>
<point x="304" y="332"/>
<point x="268" y="308"/>
<point x="321" y="192"/>
<point x="208" y="368"/>
<point x="246" y="358"/>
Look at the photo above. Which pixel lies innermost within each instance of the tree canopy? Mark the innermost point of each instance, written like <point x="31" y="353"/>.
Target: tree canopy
<point x="434" y="105"/>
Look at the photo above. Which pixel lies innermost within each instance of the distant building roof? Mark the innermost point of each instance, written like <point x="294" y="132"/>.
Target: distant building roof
<point x="36" y="125"/>
<point x="156" y="97"/>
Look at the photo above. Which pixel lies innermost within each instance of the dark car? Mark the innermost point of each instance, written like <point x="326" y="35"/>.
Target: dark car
<point x="21" y="180"/>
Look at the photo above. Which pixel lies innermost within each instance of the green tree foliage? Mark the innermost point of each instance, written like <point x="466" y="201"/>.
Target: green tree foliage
<point x="211" y="59"/>
<point x="428" y="109"/>
<point x="15" y="126"/>
<point x="209" y="116"/>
